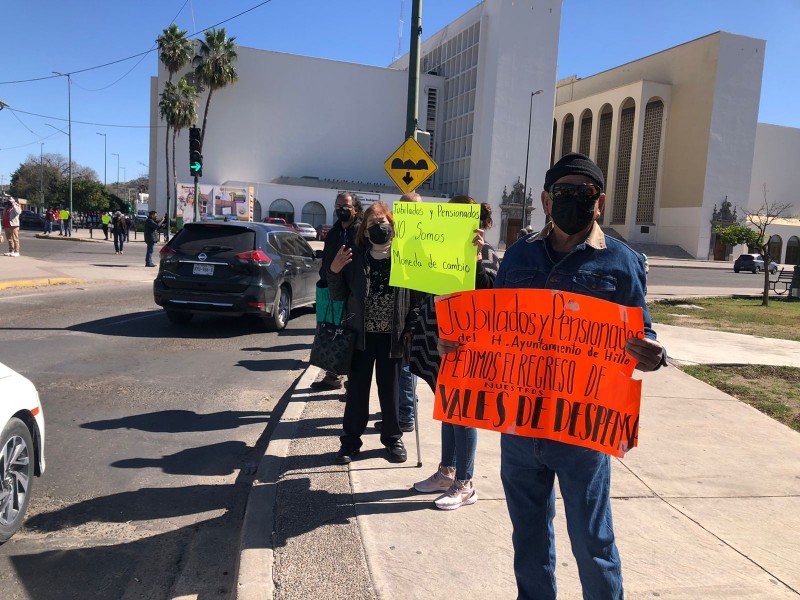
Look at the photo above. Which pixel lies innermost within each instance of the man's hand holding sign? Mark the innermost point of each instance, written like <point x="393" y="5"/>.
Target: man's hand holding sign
<point x="540" y="363"/>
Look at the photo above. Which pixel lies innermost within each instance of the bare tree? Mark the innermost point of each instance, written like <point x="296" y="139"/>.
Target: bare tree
<point x="760" y="219"/>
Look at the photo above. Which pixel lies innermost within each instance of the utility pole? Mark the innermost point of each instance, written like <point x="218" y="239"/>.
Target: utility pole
<point x="527" y="155"/>
<point x="69" y="118"/>
<point x="117" y="155"/>
<point x="41" y="177"/>
<point x="412" y="106"/>
<point x="105" y="157"/>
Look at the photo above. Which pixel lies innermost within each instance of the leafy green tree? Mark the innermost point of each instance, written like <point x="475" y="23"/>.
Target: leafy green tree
<point x="89" y="196"/>
<point x="214" y="67"/>
<point x="736" y="234"/>
<point x="174" y="51"/>
<point x="760" y="219"/>
<point x="49" y="174"/>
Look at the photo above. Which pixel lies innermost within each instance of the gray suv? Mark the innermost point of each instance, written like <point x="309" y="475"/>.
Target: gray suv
<point x="753" y="263"/>
<point x="236" y="268"/>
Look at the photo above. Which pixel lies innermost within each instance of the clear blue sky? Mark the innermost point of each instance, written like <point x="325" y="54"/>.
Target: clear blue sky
<point x="48" y="35"/>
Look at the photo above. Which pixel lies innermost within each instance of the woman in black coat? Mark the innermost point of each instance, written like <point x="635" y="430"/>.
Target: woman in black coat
<point x="382" y="316"/>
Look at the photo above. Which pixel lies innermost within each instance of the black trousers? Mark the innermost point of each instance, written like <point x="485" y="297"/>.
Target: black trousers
<point x="359" y="381"/>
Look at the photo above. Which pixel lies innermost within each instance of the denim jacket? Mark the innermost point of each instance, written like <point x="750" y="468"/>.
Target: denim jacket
<point x="601" y="266"/>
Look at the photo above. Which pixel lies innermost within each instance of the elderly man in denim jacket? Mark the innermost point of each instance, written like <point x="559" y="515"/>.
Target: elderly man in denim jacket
<point x="571" y="254"/>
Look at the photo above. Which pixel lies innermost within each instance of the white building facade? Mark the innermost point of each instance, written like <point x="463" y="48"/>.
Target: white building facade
<point x="333" y="123"/>
<point x="675" y="133"/>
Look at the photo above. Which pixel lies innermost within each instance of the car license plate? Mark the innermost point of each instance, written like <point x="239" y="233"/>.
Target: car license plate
<point x="203" y="269"/>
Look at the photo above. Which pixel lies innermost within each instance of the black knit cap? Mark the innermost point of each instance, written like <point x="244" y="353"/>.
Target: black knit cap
<point x="574" y="163"/>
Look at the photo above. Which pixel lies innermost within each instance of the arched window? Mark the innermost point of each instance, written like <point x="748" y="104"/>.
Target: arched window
<point x="282" y="208"/>
<point x="624" y="145"/>
<point x="775" y="248"/>
<point x="648" y="168"/>
<point x="604" y="139"/>
<point x="314" y="214"/>
<point x="585" y="136"/>
<point x="793" y="251"/>
<point x="566" y="135"/>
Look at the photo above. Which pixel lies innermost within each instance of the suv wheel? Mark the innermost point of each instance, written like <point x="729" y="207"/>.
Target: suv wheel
<point x="179" y="318"/>
<point x="17" y="457"/>
<point x="281" y="309"/>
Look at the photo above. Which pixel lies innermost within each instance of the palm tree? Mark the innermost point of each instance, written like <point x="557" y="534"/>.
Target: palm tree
<point x="174" y="52"/>
<point x="183" y="115"/>
<point x="214" y="67"/>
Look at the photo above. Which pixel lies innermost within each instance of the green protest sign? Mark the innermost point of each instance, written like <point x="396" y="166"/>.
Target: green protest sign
<point x="432" y="249"/>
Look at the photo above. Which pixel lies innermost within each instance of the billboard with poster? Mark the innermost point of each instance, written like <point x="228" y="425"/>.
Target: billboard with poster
<point x="222" y="203"/>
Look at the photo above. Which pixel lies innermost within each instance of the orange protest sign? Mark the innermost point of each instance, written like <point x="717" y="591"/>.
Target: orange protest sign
<point x="540" y="363"/>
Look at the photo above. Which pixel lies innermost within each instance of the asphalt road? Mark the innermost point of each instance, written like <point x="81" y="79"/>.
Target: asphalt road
<point x="153" y="434"/>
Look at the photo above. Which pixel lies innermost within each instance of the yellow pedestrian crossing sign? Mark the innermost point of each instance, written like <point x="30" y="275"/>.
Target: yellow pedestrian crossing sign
<point x="409" y="166"/>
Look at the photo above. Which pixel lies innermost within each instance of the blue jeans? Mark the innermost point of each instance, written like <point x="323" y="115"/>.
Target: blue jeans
<point x="119" y="241"/>
<point x="148" y="255"/>
<point x="408" y="387"/>
<point x="68" y="227"/>
<point x="458" y="449"/>
<point x="528" y="467"/>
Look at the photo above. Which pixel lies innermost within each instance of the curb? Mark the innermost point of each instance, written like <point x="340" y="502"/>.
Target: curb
<point x="256" y="552"/>
<point x="26" y="283"/>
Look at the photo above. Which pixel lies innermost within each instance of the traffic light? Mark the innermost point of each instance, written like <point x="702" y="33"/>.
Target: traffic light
<point x="195" y="158"/>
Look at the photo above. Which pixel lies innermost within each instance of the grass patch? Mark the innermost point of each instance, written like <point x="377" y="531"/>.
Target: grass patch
<point x="781" y="319"/>
<point x="775" y="391"/>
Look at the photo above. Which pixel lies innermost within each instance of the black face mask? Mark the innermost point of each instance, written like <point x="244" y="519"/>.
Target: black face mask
<point x="344" y="214"/>
<point x="572" y="215"/>
<point x="379" y="233"/>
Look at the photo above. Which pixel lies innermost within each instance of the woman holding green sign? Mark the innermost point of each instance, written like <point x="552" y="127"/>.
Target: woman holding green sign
<point x="382" y="316"/>
<point x="453" y="478"/>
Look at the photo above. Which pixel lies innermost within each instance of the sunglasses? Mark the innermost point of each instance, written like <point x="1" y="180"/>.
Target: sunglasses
<point x="580" y="192"/>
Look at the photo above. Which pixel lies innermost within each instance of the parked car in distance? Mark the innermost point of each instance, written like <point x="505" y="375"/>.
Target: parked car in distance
<point x="276" y="221"/>
<point x="322" y="231"/>
<point x="306" y="231"/>
<point x="236" y="268"/>
<point x="753" y="263"/>
<point x="30" y="220"/>
<point x="22" y="443"/>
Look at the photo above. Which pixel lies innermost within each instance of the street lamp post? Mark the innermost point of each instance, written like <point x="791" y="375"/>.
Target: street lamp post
<point x="69" y="118"/>
<point x="527" y="156"/>
<point x="41" y="176"/>
<point x="105" y="157"/>
<point x="117" y="155"/>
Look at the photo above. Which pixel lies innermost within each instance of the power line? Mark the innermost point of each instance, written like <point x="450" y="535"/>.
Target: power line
<point x="142" y="54"/>
<point x="138" y="62"/>
<point x="84" y="122"/>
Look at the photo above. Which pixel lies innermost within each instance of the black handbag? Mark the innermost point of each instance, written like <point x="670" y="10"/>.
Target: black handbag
<point x="333" y="345"/>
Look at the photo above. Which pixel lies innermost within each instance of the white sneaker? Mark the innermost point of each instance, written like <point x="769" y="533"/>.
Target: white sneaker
<point x="438" y="482"/>
<point x="461" y="493"/>
<point x="13" y="253"/>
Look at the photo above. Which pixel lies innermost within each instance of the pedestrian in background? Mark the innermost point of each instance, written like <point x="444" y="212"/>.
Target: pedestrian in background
<point x="66" y="222"/>
<point x="105" y="220"/>
<point x="382" y="317"/>
<point x="151" y="227"/>
<point x="454" y="477"/>
<point x="119" y="229"/>
<point x="11" y="226"/>
<point x="49" y="219"/>
<point x="347" y="210"/>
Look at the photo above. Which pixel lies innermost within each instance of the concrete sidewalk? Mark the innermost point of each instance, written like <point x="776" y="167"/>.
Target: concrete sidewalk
<point x="706" y="507"/>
